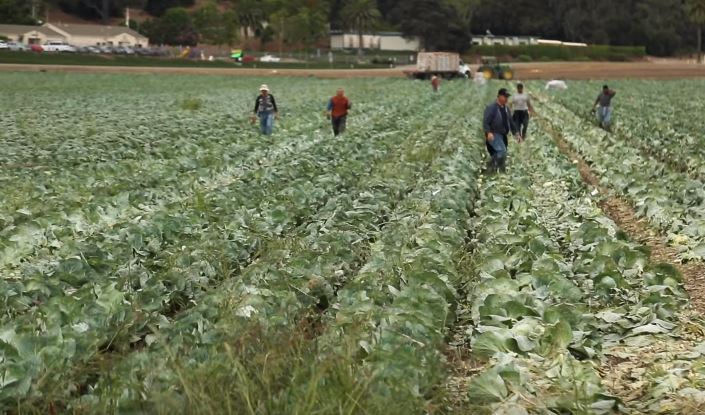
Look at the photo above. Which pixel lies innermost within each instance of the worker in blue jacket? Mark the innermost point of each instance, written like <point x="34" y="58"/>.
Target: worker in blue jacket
<point x="497" y="123"/>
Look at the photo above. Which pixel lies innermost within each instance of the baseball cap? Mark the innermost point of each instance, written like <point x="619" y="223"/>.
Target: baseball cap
<point x="503" y="91"/>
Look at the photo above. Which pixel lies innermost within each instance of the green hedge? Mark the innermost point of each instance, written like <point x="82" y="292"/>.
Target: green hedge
<point x="563" y="53"/>
<point x="144" y="61"/>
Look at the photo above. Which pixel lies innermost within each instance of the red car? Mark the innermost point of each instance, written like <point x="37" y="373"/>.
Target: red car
<point x="36" y="48"/>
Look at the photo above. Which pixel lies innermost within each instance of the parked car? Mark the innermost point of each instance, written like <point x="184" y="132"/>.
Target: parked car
<point x="162" y="51"/>
<point x="17" y="46"/>
<point x="105" y="49"/>
<point x="87" y="49"/>
<point x="128" y="50"/>
<point x="58" y="47"/>
<point x="143" y="51"/>
<point x="35" y="47"/>
<point x="269" y="58"/>
<point x="3" y="45"/>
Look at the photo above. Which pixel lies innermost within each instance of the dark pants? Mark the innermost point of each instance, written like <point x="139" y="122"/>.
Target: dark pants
<point x="338" y="124"/>
<point x="521" y="120"/>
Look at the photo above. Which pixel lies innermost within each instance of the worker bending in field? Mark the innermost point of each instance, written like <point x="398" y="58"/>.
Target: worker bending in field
<point x="520" y="103"/>
<point x="266" y="110"/>
<point x="603" y="104"/>
<point x="338" y="107"/>
<point x="497" y="123"/>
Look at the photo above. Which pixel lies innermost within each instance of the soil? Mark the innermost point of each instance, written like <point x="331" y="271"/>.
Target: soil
<point x="609" y="70"/>
<point x="542" y="70"/>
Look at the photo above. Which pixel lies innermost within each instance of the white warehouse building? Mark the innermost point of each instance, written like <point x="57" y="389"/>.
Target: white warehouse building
<point x="393" y="41"/>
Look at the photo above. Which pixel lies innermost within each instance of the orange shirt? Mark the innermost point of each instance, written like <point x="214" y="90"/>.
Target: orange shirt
<point x="339" y="106"/>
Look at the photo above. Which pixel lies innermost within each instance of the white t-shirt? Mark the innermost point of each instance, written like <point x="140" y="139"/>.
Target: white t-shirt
<point x="520" y="102"/>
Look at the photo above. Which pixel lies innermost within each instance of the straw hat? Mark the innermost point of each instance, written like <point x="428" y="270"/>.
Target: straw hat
<point x="264" y="87"/>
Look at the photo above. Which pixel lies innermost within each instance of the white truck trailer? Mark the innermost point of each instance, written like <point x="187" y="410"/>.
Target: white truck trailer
<point x="443" y="64"/>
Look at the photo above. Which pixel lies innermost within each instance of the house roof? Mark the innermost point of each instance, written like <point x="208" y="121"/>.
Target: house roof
<point x="22" y="29"/>
<point x="94" y="30"/>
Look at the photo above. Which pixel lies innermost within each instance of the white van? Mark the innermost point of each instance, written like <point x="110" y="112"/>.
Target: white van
<point x="58" y="47"/>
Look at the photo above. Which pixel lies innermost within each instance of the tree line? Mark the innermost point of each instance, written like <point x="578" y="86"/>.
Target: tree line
<point x="664" y="27"/>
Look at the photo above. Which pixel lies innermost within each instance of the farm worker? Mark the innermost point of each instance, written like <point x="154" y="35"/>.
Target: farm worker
<point x="604" y="112"/>
<point x="497" y="123"/>
<point x="266" y="110"/>
<point x="338" y="107"/>
<point x="520" y="104"/>
<point x="435" y="83"/>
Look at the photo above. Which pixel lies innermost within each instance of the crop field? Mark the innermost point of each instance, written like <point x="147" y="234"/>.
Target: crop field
<point x="159" y="256"/>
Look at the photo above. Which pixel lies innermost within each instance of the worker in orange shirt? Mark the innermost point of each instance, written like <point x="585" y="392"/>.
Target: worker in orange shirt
<point x="435" y="83"/>
<point x="338" y="107"/>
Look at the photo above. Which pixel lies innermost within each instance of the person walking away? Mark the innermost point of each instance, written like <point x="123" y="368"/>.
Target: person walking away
<point x="603" y="104"/>
<point x="521" y="107"/>
<point x="435" y="83"/>
<point x="338" y="107"/>
<point x="497" y="123"/>
<point x="266" y="110"/>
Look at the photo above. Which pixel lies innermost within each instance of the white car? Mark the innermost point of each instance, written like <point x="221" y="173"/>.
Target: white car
<point x="58" y="47"/>
<point x="269" y="58"/>
<point x="17" y="46"/>
<point x="3" y="45"/>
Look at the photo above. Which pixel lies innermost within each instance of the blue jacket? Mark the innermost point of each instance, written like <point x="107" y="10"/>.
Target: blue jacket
<point x="492" y="120"/>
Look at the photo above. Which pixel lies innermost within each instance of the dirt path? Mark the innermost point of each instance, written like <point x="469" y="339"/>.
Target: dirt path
<point x="539" y="70"/>
<point x="637" y="228"/>
<point x="608" y="70"/>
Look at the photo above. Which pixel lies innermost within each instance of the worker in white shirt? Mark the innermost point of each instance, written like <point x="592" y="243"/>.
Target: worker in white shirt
<point x="520" y="104"/>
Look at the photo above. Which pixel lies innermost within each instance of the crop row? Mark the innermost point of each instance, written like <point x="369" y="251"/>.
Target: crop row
<point x="672" y="202"/>
<point x="310" y="271"/>
<point x="555" y="289"/>
<point x="169" y="262"/>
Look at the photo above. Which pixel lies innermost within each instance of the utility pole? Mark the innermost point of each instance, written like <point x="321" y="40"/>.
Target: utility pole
<point x="36" y="7"/>
<point x="127" y="16"/>
<point x="281" y="35"/>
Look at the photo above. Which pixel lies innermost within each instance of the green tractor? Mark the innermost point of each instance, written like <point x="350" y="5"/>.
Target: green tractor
<point x="492" y="69"/>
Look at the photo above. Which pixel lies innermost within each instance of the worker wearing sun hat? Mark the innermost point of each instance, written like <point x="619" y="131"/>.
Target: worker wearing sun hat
<point x="265" y="109"/>
<point x="497" y="123"/>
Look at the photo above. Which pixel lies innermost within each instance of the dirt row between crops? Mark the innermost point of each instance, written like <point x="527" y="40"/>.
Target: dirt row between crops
<point x="638" y="229"/>
<point x="541" y="70"/>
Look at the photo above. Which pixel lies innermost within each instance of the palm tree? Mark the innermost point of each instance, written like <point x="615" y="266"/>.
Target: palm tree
<point x="360" y="15"/>
<point x="696" y="14"/>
